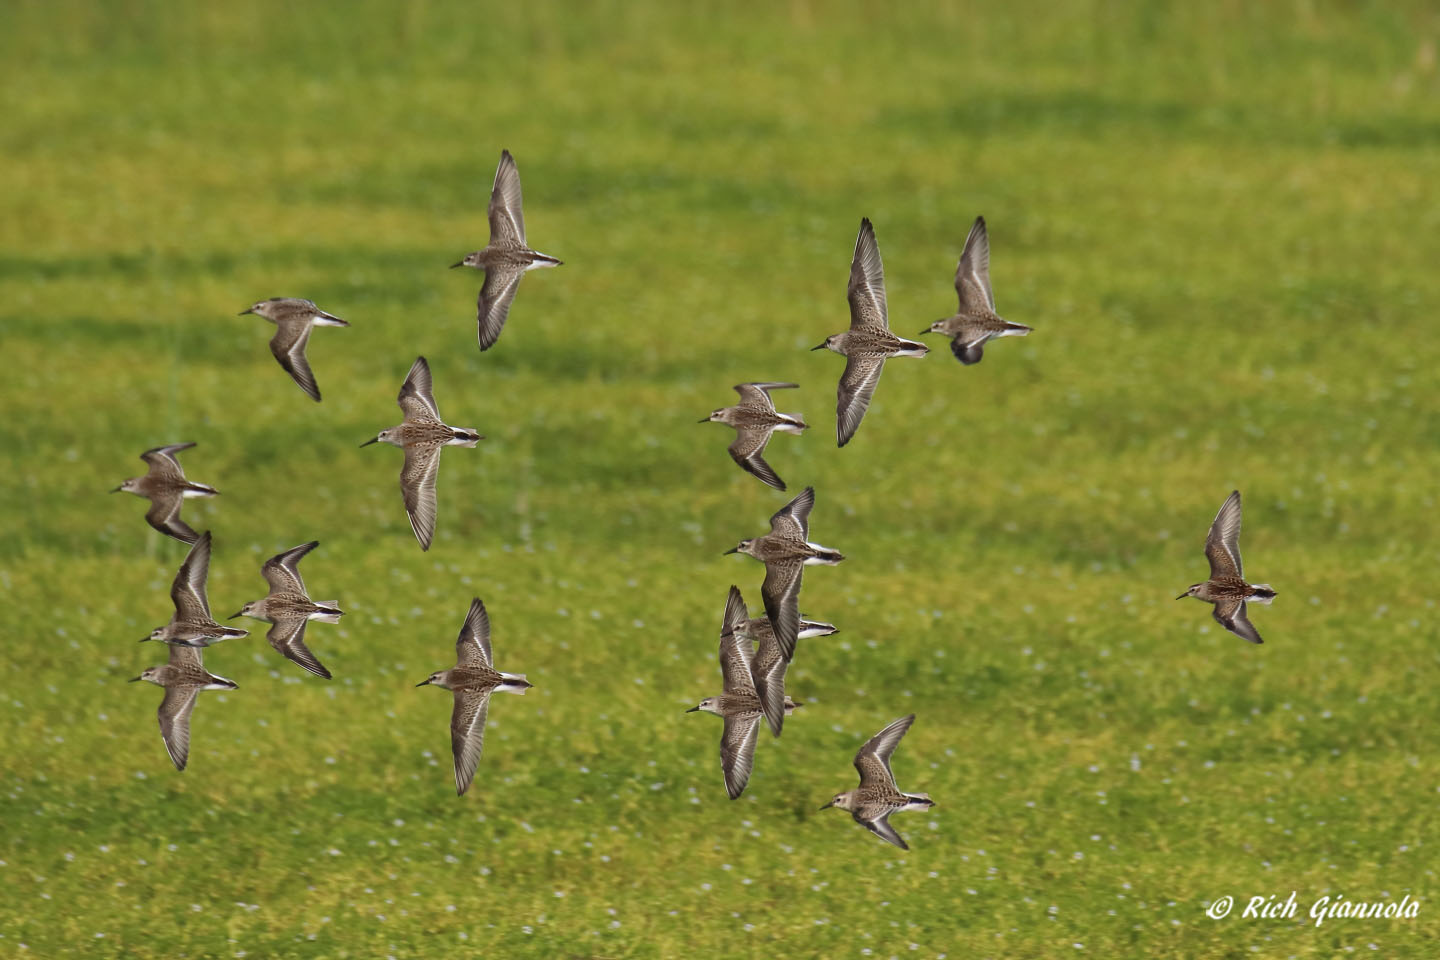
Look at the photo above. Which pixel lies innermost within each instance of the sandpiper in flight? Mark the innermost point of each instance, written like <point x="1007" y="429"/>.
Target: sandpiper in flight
<point x="472" y="680"/>
<point x="294" y="319"/>
<point x="771" y="662"/>
<point x="975" y="322"/>
<point x="507" y="257"/>
<point x="192" y="625"/>
<point x="786" y="551"/>
<point x="738" y="702"/>
<point x="1227" y="588"/>
<point x="421" y="436"/>
<point x="166" y="488"/>
<point x="754" y="419"/>
<point x="877" y="797"/>
<point x="868" y="343"/>
<point x="288" y="608"/>
<point x="183" y="678"/>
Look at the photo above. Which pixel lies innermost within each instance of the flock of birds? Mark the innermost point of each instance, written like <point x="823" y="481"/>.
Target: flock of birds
<point x="755" y="653"/>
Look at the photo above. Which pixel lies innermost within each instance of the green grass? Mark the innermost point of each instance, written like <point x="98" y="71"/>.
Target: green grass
<point x="1219" y="218"/>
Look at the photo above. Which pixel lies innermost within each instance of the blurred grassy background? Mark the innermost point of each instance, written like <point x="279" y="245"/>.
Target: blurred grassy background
<point x="1219" y="218"/>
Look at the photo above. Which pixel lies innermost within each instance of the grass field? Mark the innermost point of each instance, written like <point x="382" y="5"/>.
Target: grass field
<point x="1220" y="219"/>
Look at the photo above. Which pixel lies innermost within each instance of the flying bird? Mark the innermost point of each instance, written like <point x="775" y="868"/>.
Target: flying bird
<point x="1227" y="588"/>
<point x="975" y="322"/>
<point x="507" y="257"/>
<point x="191" y="625"/>
<point x="877" y="797"/>
<point x="294" y="319"/>
<point x="772" y="661"/>
<point x="868" y="343"/>
<point x="288" y="608"/>
<point x="166" y="488"/>
<point x="755" y="419"/>
<point x="421" y="436"/>
<point x="738" y="702"/>
<point x="183" y="678"/>
<point x="472" y="680"/>
<point x="786" y="550"/>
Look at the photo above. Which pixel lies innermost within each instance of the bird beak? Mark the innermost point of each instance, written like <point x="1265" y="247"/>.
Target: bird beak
<point x="460" y="264"/>
<point x="706" y="420"/>
<point x="370" y="441"/>
<point x="828" y="805"/>
<point x="821" y="347"/>
<point x="692" y="709"/>
<point x="243" y="312"/>
<point x="1182" y="596"/>
<point x="730" y="551"/>
<point x="133" y="679"/>
<point x="143" y="639"/>
<point x="923" y="332"/>
<point x="422" y="683"/>
<point x="234" y="615"/>
<point x="117" y="489"/>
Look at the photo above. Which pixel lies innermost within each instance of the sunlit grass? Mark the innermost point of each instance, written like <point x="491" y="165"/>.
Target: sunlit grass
<point x="1216" y="217"/>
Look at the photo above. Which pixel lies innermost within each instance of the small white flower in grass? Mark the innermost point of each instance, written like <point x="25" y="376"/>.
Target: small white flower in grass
<point x="705" y="887"/>
<point x="559" y="894"/>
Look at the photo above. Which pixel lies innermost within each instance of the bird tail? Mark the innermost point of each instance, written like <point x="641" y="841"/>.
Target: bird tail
<point x="1015" y="329"/>
<point x="329" y="611"/>
<point x="467" y="437"/>
<point x="1261" y="593"/>
<point x="199" y="489"/>
<point x="515" y="683"/>
<point x="544" y="260"/>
